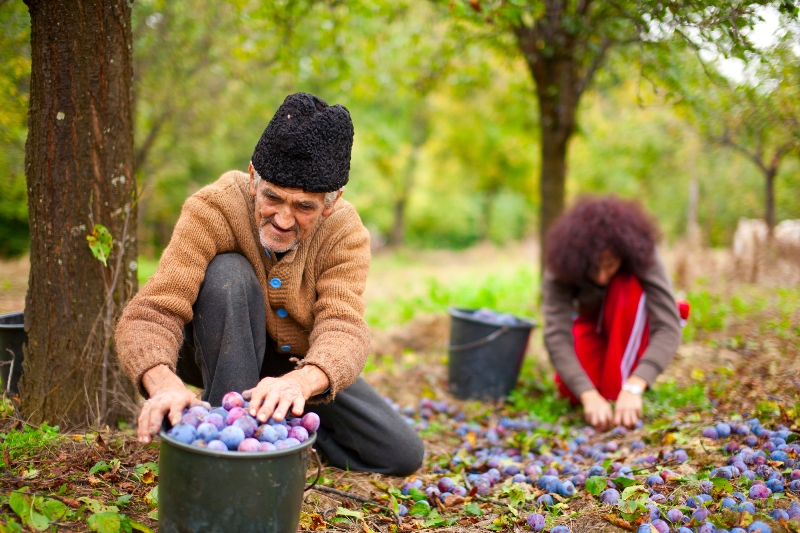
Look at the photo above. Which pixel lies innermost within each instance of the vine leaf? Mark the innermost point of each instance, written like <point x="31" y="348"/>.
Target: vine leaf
<point x="100" y="242"/>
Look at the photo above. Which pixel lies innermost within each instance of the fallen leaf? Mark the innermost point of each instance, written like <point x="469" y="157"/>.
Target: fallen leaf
<point x="452" y="500"/>
<point x="148" y="477"/>
<point x="619" y="522"/>
<point x="93" y="481"/>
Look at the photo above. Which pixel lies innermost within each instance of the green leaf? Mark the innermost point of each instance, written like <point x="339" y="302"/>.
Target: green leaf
<point x="420" y="509"/>
<point x="792" y="437"/>
<point x="123" y="500"/>
<point x="417" y="495"/>
<point x="105" y="522"/>
<point x="623" y="482"/>
<point x="473" y="509"/>
<point x="634" y="492"/>
<point x="153" y="515"/>
<point x="722" y="484"/>
<point x="100" y="466"/>
<point x="137" y="526"/>
<point x="96" y="506"/>
<point x="54" y="510"/>
<point x="10" y="527"/>
<point x="595" y="485"/>
<point x="22" y="504"/>
<point x="151" y="498"/>
<point x="100" y="243"/>
<point x="341" y="511"/>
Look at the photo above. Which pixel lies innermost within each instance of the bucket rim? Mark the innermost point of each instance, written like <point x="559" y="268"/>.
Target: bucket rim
<point x="13" y="314"/>
<point x="234" y="454"/>
<point x="465" y="313"/>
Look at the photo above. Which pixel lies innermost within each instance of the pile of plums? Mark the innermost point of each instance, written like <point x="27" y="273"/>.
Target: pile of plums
<point x="758" y="466"/>
<point x="231" y="428"/>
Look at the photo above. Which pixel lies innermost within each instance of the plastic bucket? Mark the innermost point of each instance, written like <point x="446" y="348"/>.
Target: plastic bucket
<point x="211" y="491"/>
<point x="485" y="357"/>
<point x="12" y="337"/>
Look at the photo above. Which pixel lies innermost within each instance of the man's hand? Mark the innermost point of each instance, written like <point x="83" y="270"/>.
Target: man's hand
<point x="628" y="407"/>
<point x="168" y="395"/>
<point x="596" y="409"/>
<point x="273" y="397"/>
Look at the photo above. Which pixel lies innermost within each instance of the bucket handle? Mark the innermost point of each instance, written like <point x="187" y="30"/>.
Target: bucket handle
<point x="319" y="471"/>
<point x="480" y="342"/>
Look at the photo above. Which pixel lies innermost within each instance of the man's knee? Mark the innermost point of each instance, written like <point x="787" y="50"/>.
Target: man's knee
<point x="227" y="275"/>
<point x="406" y="458"/>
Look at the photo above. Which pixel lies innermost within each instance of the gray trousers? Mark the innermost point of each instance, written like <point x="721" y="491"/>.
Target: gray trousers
<point x="226" y="348"/>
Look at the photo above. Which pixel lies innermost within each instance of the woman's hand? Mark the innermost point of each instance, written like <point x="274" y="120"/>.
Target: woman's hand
<point x="596" y="409"/>
<point x="628" y="407"/>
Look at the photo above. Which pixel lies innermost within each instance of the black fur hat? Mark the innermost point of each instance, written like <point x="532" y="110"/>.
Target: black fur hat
<point x="306" y="145"/>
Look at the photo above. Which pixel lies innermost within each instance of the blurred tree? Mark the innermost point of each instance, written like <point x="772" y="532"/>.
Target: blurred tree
<point x="79" y="165"/>
<point x="15" y="71"/>
<point x="565" y="43"/>
<point x="758" y="117"/>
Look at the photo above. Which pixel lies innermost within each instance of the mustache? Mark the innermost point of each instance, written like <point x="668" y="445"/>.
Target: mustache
<point x="269" y="220"/>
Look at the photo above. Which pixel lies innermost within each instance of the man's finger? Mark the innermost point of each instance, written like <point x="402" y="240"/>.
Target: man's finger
<point x="283" y="406"/>
<point x="270" y="403"/>
<point x="298" y="406"/>
<point x="246" y="394"/>
<point x="175" y="412"/>
<point x="142" y="427"/>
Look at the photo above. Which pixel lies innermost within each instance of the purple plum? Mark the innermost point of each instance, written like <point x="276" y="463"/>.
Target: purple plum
<point x="310" y="421"/>
<point x="184" y="433"/>
<point x="300" y="433"/>
<point x="536" y="521"/>
<point x="232" y="436"/>
<point x="207" y="432"/>
<point x="231" y="400"/>
<point x="249" y="445"/>
<point x="217" y="445"/>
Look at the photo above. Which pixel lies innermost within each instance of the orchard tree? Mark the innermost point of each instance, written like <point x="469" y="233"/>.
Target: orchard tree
<point x="566" y="42"/>
<point x="80" y="173"/>
<point x="758" y="118"/>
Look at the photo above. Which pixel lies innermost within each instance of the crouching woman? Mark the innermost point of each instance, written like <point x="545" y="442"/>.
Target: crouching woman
<point x="611" y="321"/>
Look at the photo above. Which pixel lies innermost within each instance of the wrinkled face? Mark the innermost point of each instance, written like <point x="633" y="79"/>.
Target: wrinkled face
<point x="285" y="216"/>
<point x="606" y="267"/>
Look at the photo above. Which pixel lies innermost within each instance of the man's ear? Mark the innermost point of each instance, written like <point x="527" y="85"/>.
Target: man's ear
<point x="328" y="210"/>
<point x="251" y="170"/>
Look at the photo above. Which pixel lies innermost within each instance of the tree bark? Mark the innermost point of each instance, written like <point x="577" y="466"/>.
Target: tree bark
<point x="769" y="200"/>
<point x="80" y="169"/>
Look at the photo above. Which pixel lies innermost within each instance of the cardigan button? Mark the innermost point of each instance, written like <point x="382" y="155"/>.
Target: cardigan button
<point x="285" y="348"/>
<point x="283" y="313"/>
<point x="275" y="283"/>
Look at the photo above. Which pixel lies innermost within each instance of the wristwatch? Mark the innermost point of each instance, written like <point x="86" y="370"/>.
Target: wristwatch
<point x="633" y="388"/>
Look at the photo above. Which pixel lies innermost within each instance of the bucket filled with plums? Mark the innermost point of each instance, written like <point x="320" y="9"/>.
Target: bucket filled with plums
<point x="220" y="470"/>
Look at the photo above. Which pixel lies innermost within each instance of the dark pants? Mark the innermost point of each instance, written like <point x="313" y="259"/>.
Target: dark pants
<point x="226" y="348"/>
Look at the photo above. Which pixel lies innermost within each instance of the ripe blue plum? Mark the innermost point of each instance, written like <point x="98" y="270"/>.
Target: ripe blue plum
<point x="200" y="443"/>
<point x="458" y="490"/>
<point x="292" y="442"/>
<point x="707" y="527"/>
<point x="760" y="492"/>
<point x="235" y="414"/>
<point x="184" y="433"/>
<point x="217" y="445"/>
<point x="216" y="420"/>
<point x="281" y="430"/>
<point x="536" y="521"/>
<point x="654" y="480"/>
<point x="758" y="527"/>
<point x="700" y="514"/>
<point x="207" y="432"/>
<point x="661" y="526"/>
<point x="199" y="411"/>
<point x="248" y="424"/>
<point x="560" y="529"/>
<point x="266" y="433"/>
<point x="402" y="510"/>
<point x="723" y="430"/>
<point x="231" y="400"/>
<point x="249" y="445"/>
<point x="268" y="447"/>
<point x="232" y="436"/>
<point x="711" y="433"/>
<point x="299" y="432"/>
<point x="311" y="422"/>
<point x="609" y="496"/>
<point x="191" y="419"/>
<point x="545" y="500"/>
<point x="676" y="516"/>
<point x="566" y="488"/>
<point x="446" y="484"/>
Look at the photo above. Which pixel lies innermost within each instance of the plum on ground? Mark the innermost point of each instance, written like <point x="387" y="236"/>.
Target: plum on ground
<point x="609" y="496"/>
<point x="560" y="529"/>
<point x="760" y="492"/>
<point x="566" y="488"/>
<point x="676" y="516"/>
<point x="545" y="500"/>
<point x="536" y="521"/>
<point x="654" y="480"/>
<point x="700" y="514"/>
<point x="707" y="527"/>
<point x="723" y="430"/>
<point x="446" y="484"/>
<point x="231" y="400"/>
<point x="758" y="527"/>
<point x="660" y="525"/>
<point x="402" y="510"/>
<point x="711" y="433"/>
<point x="458" y="490"/>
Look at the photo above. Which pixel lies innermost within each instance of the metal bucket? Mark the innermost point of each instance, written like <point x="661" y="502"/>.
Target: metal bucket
<point x="209" y="491"/>
<point x="485" y="358"/>
<point x="12" y="337"/>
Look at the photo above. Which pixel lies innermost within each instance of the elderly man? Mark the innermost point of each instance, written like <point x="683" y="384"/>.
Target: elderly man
<point x="260" y="290"/>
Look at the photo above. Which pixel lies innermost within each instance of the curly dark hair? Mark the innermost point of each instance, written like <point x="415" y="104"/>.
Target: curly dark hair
<point x="577" y="239"/>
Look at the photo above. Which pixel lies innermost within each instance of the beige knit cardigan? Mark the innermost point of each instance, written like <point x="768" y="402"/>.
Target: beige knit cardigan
<point x="321" y="286"/>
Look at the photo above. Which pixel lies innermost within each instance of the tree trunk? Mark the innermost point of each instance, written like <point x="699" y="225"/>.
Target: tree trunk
<point x="769" y="201"/>
<point x="397" y="235"/>
<point x="79" y="165"/>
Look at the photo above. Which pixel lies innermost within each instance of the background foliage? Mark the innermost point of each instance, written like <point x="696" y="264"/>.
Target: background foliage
<point x="446" y="124"/>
